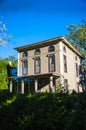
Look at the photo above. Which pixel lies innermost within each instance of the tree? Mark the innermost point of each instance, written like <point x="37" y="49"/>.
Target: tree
<point x="3" y="70"/>
<point x="3" y="74"/>
<point x="4" y="36"/>
<point x="12" y="60"/>
<point x="77" y="36"/>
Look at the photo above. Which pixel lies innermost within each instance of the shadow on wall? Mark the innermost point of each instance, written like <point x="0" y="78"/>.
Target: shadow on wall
<point x="82" y="83"/>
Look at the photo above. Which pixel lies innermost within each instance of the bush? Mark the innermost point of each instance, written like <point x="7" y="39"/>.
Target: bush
<point x="42" y="111"/>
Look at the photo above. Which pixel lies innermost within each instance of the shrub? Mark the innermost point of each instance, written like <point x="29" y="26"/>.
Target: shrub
<point x="42" y="111"/>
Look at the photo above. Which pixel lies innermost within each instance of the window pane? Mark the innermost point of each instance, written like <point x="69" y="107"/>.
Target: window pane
<point x="24" y="67"/>
<point x="76" y="69"/>
<point x="65" y="63"/>
<point x="52" y="67"/>
<point x="52" y="63"/>
<point x="37" y="69"/>
<point x="37" y="62"/>
<point x="37" y="51"/>
<point x="64" y="49"/>
<point x="24" y="70"/>
<point x="37" y="65"/>
<point x="25" y="54"/>
<point x="51" y="48"/>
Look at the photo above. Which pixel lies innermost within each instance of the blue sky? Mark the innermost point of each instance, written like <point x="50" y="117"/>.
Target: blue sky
<point x="36" y="20"/>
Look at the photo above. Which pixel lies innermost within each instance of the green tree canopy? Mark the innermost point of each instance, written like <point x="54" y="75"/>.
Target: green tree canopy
<point x="3" y="70"/>
<point x="77" y="36"/>
<point x="3" y="74"/>
<point x="12" y="60"/>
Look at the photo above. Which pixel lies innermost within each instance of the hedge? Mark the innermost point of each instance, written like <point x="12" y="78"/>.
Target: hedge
<point x="42" y="111"/>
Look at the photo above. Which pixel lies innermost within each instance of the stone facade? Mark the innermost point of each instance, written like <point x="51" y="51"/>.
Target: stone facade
<point x="49" y="64"/>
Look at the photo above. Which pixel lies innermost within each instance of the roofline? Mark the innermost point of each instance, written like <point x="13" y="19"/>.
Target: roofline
<point x="47" y="41"/>
<point x="71" y="47"/>
<point x="37" y="43"/>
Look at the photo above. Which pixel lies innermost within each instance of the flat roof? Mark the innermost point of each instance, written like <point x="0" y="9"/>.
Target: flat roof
<point x="47" y="42"/>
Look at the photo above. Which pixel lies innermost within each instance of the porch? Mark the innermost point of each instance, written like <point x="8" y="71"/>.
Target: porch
<point x="34" y="83"/>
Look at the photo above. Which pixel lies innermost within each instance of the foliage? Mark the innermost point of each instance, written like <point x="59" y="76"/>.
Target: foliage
<point x="12" y="60"/>
<point x="42" y="111"/>
<point x="4" y="36"/>
<point x="3" y="74"/>
<point x="3" y="70"/>
<point x="77" y="36"/>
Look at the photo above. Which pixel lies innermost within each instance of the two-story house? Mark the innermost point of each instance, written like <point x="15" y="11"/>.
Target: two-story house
<point x="46" y="65"/>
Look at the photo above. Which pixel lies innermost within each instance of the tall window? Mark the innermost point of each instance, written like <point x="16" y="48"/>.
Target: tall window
<point x="76" y="58"/>
<point x="37" y="51"/>
<point x="51" y="48"/>
<point x="64" y="49"/>
<point x="37" y="65"/>
<point x="25" y="67"/>
<point x="51" y="63"/>
<point x="77" y="70"/>
<point x="65" y="63"/>
<point x="25" y="54"/>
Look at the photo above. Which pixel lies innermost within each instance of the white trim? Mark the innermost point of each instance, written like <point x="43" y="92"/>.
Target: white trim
<point x="22" y="87"/>
<point x="11" y="86"/>
<point x="36" y="85"/>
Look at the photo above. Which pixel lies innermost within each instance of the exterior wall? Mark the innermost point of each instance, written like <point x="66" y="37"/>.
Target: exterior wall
<point x="73" y="80"/>
<point x="44" y="60"/>
<point x="19" y="64"/>
<point x="71" y="67"/>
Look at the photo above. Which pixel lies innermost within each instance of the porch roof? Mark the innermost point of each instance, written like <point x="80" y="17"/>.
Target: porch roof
<point x="41" y="75"/>
<point x="35" y="76"/>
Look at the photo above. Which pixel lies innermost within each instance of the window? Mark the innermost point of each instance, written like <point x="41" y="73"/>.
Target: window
<point x="51" y="48"/>
<point x="76" y="69"/>
<point x="64" y="49"/>
<point x="37" y="65"/>
<point x="25" y="54"/>
<point x="76" y="58"/>
<point x="37" y="51"/>
<point x="25" y="67"/>
<point x="51" y="63"/>
<point x="66" y="85"/>
<point x="65" y="63"/>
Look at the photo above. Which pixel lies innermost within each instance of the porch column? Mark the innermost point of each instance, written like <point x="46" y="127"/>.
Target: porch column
<point x="36" y="85"/>
<point x="51" y="84"/>
<point x="22" y="86"/>
<point x="11" y="85"/>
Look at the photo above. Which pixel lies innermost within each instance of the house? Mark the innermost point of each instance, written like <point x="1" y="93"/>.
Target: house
<point x="46" y="65"/>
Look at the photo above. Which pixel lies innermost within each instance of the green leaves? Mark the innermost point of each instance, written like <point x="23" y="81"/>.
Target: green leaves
<point x="3" y="70"/>
<point x="77" y="36"/>
<point x="3" y="74"/>
<point x="42" y="111"/>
